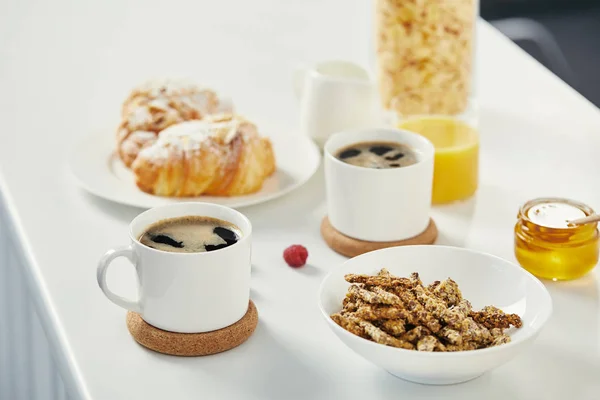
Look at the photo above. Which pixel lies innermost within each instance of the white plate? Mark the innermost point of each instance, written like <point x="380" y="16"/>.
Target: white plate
<point x="100" y="171"/>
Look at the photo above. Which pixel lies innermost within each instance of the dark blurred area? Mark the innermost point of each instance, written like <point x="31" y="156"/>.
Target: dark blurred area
<point x="564" y="35"/>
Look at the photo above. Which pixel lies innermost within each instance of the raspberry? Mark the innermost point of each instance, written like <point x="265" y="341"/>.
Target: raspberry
<point x="295" y="255"/>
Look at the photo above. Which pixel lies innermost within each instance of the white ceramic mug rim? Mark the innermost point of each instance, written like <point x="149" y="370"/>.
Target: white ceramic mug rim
<point x="428" y="150"/>
<point x="244" y="238"/>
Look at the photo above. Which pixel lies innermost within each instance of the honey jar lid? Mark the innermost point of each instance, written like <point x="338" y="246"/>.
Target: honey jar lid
<point x="554" y="212"/>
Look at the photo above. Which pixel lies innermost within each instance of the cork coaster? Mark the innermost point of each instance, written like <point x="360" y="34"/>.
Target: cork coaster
<point x="351" y="247"/>
<point x="192" y="344"/>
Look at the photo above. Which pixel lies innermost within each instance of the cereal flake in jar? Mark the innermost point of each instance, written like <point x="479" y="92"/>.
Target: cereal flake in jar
<point x="548" y="246"/>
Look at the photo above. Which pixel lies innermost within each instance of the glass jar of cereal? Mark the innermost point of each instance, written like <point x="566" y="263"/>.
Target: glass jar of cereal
<point x="424" y="54"/>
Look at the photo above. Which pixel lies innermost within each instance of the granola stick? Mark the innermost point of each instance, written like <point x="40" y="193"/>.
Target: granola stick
<point x="502" y="339"/>
<point x="418" y="311"/>
<point x="384" y="273"/>
<point x="472" y="331"/>
<point x="373" y="312"/>
<point x="350" y="306"/>
<point x="492" y="317"/>
<point x="384" y="293"/>
<point x="499" y="337"/>
<point x="427" y="343"/>
<point x="415" y="334"/>
<point x="380" y="336"/>
<point x="464" y="347"/>
<point x="432" y="304"/>
<point x="394" y="327"/>
<point x="447" y="291"/>
<point x="496" y="332"/>
<point x="349" y="325"/>
<point x="433" y="285"/>
<point x="451" y="336"/>
<point x="380" y="297"/>
<point x="455" y="315"/>
<point x="382" y="281"/>
<point x="415" y="279"/>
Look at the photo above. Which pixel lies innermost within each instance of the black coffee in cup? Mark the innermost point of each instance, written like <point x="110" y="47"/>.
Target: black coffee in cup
<point x="378" y="155"/>
<point x="191" y="234"/>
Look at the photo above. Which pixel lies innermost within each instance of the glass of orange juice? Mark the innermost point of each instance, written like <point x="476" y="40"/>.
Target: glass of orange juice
<point x="456" y="164"/>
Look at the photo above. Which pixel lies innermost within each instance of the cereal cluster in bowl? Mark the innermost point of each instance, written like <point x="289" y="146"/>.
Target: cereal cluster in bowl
<point x="424" y="53"/>
<point x="404" y="313"/>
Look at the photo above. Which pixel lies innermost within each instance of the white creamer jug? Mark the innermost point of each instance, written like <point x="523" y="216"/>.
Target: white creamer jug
<point x="336" y="96"/>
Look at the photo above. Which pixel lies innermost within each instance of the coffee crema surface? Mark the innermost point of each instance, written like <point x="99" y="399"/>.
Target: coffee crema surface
<point x="379" y="155"/>
<point x="191" y="234"/>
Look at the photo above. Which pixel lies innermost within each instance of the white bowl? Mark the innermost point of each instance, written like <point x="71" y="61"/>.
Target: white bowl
<point x="483" y="279"/>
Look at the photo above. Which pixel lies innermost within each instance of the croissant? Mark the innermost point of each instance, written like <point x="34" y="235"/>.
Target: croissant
<point x="156" y="105"/>
<point x="221" y="155"/>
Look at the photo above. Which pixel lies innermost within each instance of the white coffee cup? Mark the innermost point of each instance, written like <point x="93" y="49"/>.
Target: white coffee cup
<point x="334" y="96"/>
<point x="379" y="205"/>
<point x="186" y="292"/>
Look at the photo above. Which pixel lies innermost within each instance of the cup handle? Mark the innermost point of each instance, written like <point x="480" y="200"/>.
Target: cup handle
<point x="105" y="261"/>
<point x="298" y="81"/>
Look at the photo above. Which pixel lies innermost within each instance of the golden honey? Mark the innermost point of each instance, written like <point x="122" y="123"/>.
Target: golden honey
<point x="548" y="247"/>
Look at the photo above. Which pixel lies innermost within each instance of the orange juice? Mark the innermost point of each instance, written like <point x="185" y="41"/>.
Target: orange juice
<point x="456" y="165"/>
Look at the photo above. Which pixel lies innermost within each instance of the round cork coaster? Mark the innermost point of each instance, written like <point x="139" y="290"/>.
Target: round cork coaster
<point x="192" y="344"/>
<point x="351" y="247"/>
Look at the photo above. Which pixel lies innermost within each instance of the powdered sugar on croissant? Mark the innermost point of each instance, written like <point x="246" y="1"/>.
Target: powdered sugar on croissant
<point x="155" y="105"/>
<point x="191" y="134"/>
<point x="222" y="155"/>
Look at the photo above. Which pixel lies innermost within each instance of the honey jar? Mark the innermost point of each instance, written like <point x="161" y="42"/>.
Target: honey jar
<point x="548" y="246"/>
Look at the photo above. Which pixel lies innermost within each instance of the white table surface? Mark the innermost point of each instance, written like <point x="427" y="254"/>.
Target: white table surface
<point x="66" y="66"/>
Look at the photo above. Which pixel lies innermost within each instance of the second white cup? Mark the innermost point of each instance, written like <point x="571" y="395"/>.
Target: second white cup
<point x="379" y="205"/>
